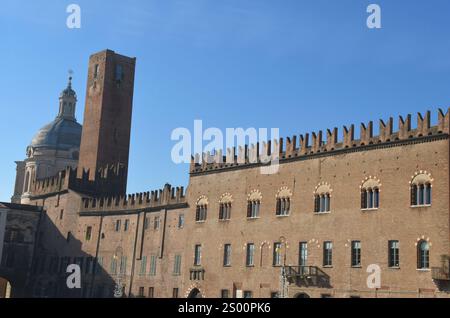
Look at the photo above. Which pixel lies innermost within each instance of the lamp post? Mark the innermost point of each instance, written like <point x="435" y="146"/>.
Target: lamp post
<point x="283" y="278"/>
<point x="118" y="287"/>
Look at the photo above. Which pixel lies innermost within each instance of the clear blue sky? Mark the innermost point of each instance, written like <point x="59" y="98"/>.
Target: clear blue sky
<point x="298" y="65"/>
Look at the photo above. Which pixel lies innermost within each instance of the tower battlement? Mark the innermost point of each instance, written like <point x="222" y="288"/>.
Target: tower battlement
<point x="314" y="143"/>
<point x="105" y="183"/>
<point x="153" y="199"/>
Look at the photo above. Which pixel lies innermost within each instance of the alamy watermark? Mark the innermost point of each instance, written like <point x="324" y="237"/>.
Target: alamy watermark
<point x="374" y="19"/>
<point x="192" y="145"/>
<point x="74" y="19"/>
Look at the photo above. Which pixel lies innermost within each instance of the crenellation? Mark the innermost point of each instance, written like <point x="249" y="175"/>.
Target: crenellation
<point x="291" y="146"/>
<point x="155" y="199"/>
<point x="386" y="130"/>
<point x="332" y="139"/>
<point x="404" y="127"/>
<point x="366" y="134"/>
<point x="304" y="144"/>
<point x="316" y="142"/>
<point x="423" y="124"/>
<point x="255" y="154"/>
<point x="443" y="119"/>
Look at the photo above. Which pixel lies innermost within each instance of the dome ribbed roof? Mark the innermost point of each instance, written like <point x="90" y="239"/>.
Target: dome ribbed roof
<point x="60" y="134"/>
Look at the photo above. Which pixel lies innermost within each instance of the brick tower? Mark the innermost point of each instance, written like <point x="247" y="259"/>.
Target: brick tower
<point x="105" y="138"/>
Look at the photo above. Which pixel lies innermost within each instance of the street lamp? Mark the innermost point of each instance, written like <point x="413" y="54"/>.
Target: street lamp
<point x="118" y="287"/>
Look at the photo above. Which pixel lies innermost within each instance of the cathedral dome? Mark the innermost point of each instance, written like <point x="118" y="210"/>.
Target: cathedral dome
<point x="63" y="133"/>
<point x="60" y="134"/>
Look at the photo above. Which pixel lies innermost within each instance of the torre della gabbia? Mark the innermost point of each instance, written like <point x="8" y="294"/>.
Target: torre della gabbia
<point x="338" y="204"/>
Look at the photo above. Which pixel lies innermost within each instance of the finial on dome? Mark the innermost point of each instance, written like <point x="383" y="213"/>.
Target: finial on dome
<point x="70" y="78"/>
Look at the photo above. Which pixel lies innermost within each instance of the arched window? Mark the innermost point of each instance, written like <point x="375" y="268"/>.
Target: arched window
<point x="201" y="209"/>
<point x="253" y="204"/>
<point x="26" y="187"/>
<point x="283" y="198"/>
<point x="225" y="206"/>
<point x="420" y="188"/>
<point x="423" y="255"/>
<point x="370" y="193"/>
<point x="322" y="198"/>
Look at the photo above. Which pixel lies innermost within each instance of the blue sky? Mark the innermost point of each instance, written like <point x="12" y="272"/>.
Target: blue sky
<point x="298" y="65"/>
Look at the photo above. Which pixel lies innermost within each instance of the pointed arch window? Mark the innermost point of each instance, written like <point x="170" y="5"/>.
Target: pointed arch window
<point x="254" y="204"/>
<point x="420" y="188"/>
<point x="322" y="198"/>
<point x="201" y="209"/>
<point x="225" y="207"/>
<point x="283" y="203"/>
<point x="370" y="194"/>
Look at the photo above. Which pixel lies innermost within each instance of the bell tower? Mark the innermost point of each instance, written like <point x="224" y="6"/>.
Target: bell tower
<point x="67" y="101"/>
<point x="105" y="138"/>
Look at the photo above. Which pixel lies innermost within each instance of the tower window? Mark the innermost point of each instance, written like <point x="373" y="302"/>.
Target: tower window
<point x="119" y="73"/>
<point x="88" y="233"/>
<point x="96" y="67"/>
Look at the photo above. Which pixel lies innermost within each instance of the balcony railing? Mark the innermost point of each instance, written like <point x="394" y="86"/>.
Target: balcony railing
<point x="438" y="273"/>
<point x="197" y="273"/>
<point x="442" y="273"/>
<point x="306" y="276"/>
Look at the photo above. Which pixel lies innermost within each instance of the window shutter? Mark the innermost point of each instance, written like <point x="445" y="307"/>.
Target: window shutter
<point x="249" y="209"/>
<point x="414" y="195"/>
<point x="278" y="212"/>
<point x="197" y="214"/>
<point x="363" y="199"/>
<point x="317" y="203"/>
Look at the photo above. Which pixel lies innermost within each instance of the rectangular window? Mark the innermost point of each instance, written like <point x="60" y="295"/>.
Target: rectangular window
<point x="153" y="265"/>
<point x="327" y="254"/>
<point x="181" y="221"/>
<point x="118" y="224"/>
<point x="119" y="73"/>
<point x="175" y="293"/>
<point x="141" y="292"/>
<point x="151" y="292"/>
<point x="197" y="255"/>
<point x="125" y="226"/>
<point x="96" y="67"/>
<point x="156" y="223"/>
<point x="177" y="265"/>
<point x="227" y="255"/>
<point x="225" y="293"/>
<point x="249" y="261"/>
<point x="123" y="264"/>
<point x="253" y="209"/>
<point x="276" y="254"/>
<point x="303" y="254"/>
<point x="143" y="269"/>
<point x="356" y="253"/>
<point x="113" y="266"/>
<point x="248" y="294"/>
<point x="394" y="256"/>
<point x="88" y="233"/>
<point x="146" y="221"/>
<point x="61" y="214"/>
<point x="99" y="265"/>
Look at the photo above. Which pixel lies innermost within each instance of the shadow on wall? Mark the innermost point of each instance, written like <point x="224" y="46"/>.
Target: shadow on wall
<point x="36" y="268"/>
<point x="54" y="253"/>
